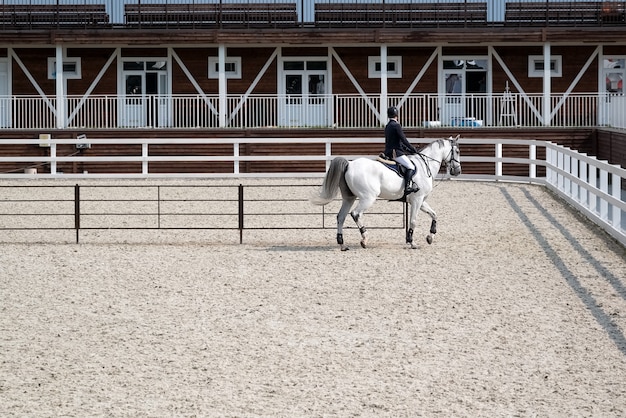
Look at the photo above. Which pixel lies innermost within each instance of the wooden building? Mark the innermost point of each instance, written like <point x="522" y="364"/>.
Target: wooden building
<point x="258" y="68"/>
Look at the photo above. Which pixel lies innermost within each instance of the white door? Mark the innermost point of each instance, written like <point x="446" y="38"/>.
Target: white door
<point x="163" y="116"/>
<point x="145" y="98"/>
<point x="133" y="113"/>
<point x="303" y="93"/>
<point x="5" y="100"/>
<point x="614" y="108"/>
<point x="452" y="108"/>
<point x="317" y="105"/>
<point x="292" y="109"/>
<point x="464" y="86"/>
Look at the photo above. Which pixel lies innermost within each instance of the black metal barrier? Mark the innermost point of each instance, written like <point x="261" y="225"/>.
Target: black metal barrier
<point x="177" y="207"/>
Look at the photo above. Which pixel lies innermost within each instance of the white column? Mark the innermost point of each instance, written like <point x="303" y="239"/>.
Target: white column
<point x="384" y="102"/>
<point x="547" y="84"/>
<point x="60" y="89"/>
<point x="221" y="63"/>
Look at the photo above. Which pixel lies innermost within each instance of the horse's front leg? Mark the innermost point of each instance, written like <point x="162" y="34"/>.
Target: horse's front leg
<point x="433" y="225"/>
<point x="412" y="222"/>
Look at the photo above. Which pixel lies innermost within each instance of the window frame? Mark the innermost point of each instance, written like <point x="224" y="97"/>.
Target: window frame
<point x="533" y="72"/>
<point x="76" y="74"/>
<point x="236" y="74"/>
<point x="373" y="60"/>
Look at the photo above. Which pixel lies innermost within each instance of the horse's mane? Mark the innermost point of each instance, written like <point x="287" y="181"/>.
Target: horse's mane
<point x="439" y="141"/>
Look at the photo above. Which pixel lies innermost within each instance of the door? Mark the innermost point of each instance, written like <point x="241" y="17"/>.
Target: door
<point x="145" y="99"/>
<point x="303" y="93"/>
<point x="614" y="73"/>
<point x="5" y="100"/>
<point x="452" y="108"/>
<point x="464" y="86"/>
<point x="134" y="109"/>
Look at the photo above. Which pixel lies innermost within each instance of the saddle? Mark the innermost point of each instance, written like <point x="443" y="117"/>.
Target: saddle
<point x="391" y="164"/>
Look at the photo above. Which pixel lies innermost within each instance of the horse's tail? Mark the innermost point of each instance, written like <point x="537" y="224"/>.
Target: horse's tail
<point x="332" y="181"/>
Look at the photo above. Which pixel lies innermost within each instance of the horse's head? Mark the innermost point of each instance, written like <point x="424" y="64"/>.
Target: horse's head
<point x="453" y="160"/>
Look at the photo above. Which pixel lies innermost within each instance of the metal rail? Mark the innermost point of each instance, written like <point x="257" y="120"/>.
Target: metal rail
<point x="175" y="207"/>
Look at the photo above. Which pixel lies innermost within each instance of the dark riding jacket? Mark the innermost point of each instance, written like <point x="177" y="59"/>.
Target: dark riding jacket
<point x="395" y="141"/>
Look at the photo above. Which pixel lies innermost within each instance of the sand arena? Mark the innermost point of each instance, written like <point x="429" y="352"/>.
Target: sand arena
<point x="517" y="309"/>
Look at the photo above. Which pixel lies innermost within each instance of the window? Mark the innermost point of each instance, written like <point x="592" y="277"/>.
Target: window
<point x="535" y="66"/>
<point x="71" y="68"/>
<point x="394" y="67"/>
<point x="232" y="66"/>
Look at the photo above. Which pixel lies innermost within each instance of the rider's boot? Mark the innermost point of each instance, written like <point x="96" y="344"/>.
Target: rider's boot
<point x="409" y="185"/>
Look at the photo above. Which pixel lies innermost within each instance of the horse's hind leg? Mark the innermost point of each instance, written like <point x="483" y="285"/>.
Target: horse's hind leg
<point x="433" y="225"/>
<point x="341" y="218"/>
<point x="357" y="215"/>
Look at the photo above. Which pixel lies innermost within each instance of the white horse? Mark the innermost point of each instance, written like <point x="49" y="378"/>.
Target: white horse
<point x="366" y="179"/>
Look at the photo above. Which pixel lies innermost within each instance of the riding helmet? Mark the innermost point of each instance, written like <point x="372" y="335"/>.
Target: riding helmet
<point x="392" y="112"/>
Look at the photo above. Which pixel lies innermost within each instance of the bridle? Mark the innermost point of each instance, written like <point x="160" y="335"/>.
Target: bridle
<point x="450" y="158"/>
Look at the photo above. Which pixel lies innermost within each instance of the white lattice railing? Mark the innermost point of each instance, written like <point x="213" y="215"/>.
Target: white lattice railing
<point x="339" y="111"/>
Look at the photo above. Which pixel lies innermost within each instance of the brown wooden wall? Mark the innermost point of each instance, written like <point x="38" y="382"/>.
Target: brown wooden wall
<point x="253" y="59"/>
<point x="611" y="146"/>
<point x="573" y="60"/>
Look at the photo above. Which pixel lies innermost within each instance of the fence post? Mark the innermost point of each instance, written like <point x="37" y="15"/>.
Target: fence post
<point x="532" y="155"/>
<point x="144" y="158"/>
<point x="499" y="160"/>
<point x="77" y="211"/>
<point x="241" y="214"/>
<point x="616" y="192"/>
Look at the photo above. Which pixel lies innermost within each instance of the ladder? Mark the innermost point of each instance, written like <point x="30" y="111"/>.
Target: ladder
<point x="508" y="114"/>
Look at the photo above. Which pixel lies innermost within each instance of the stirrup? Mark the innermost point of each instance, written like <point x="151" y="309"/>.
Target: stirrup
<point x="411" y="189"/>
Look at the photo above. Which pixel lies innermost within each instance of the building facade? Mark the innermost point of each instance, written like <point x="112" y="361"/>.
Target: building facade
<point x="311" y="64"/>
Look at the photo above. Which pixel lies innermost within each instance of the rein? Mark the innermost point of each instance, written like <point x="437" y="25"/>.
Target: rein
<point x="424" y="157"/>
<point x="430" y="174"/>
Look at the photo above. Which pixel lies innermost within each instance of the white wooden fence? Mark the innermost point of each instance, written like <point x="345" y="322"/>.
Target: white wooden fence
<point x="591" y="185"/>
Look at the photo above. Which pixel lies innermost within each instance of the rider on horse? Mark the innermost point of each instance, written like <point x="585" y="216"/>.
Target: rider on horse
<point x="397" y="146"/>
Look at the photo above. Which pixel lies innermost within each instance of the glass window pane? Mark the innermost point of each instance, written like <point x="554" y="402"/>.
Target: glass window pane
<point x="614" y="83"/>
<point x="476" y="64"/>
<point x="614" y="63"/>
<point x="293" y="84"/>
<point x="133" y="84"/>
<point x="453" y="83"/>
<point x="157" y="65"/>
<point x="447" y="65"/>
<point x="132" y="65"/>
<point x="316" y="65"/>
<point x="293" y="65"/>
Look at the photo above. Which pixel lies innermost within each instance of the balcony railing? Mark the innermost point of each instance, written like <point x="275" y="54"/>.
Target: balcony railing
<point x="98" y="14"/>
<point x="471" y="111"/>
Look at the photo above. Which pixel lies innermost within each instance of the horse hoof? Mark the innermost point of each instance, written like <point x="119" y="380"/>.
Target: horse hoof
<point x="363" y="244"/>
<point x="345" y="248"/>
<point x="429" y="239"/>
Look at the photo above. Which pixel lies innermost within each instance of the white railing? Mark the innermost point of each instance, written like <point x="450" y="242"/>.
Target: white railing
<point x="338" y="111"/>
<point x="591" y="185"/>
